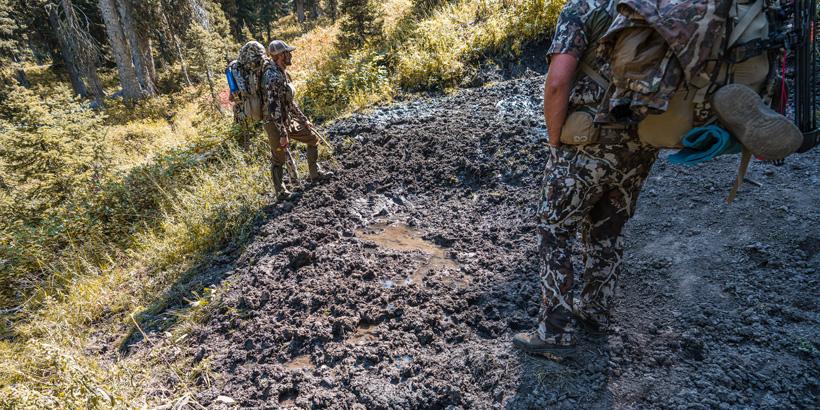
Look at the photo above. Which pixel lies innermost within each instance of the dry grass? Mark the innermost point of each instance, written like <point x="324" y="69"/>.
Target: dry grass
<point x="51" y="355"/>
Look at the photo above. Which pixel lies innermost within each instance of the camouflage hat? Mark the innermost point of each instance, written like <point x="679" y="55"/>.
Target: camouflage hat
<point x="253" y="52"/>
<point x="277" y="47"/>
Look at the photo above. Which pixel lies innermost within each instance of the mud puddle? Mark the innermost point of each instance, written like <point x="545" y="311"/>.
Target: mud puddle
<point x="472" y="176"/>
<point x="403" y="238"/>
<point x="300" y="363"/>
<point x="363" y="334"/>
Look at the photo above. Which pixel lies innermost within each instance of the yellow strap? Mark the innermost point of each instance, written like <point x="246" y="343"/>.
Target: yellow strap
<point x="745" y="157"/>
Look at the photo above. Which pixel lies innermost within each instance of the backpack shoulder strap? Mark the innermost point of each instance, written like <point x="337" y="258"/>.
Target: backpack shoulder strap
<point x="744" y="22"/>
<point x="594" y="75"/>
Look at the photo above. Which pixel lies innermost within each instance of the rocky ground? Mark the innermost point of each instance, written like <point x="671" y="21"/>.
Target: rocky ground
<point x="400" y="283"/>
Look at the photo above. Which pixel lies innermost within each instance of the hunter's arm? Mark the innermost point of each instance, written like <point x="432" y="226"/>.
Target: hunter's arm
<point x="556" y="93"/>
<point x="274" y="116"/>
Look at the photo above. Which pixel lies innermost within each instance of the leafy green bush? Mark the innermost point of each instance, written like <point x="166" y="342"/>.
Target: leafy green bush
<point x="347" y="84"/>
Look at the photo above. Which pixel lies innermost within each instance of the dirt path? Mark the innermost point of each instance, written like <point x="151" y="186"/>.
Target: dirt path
<point x="400" y="283"/>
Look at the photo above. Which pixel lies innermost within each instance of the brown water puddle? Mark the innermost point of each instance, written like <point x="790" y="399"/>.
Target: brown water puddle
<point x="403" y="238"/>
<point x="300" y="363"/>
<point x="363" y="334"/>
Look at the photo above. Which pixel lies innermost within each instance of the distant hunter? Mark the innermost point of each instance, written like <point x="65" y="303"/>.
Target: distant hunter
<point x="284" y="120"/>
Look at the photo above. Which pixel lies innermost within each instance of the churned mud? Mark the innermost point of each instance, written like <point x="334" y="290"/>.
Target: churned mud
<point x="400" y="283"/>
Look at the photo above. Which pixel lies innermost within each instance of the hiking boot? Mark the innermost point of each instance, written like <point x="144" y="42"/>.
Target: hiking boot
<point x="760" y="129"/>
<point x="277" y="174"/>
<point x="592" y="323"/>
<point x="559" y="344"/>
<point x="316" y="173"/>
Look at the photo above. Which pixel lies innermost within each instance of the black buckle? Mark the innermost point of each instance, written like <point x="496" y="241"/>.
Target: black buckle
<point x="810" y="140"/>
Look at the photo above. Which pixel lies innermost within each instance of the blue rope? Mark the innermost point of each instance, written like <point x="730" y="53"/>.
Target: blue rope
<point x="704" y="143"/>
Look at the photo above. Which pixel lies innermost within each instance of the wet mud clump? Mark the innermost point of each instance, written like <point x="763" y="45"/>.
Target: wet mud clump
<point x="399" y="283"/>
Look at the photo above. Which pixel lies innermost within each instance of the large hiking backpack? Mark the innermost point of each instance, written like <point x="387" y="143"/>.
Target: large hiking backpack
<point x="668" y="56"/>
<point x="744" y="48"/>
<point x="246" y="90"/>
<point x="665" y="58"/>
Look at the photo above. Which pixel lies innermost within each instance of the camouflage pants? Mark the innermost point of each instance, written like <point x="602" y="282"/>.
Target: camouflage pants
<point x="590" y="190"/>
<point x="296" y="132"/>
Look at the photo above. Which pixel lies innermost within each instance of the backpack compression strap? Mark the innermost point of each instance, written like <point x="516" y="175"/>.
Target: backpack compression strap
<point x="594" y="75"/>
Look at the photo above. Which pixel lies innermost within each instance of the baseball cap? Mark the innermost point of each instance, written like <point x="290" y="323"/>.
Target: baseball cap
<point x="277" y="47"/>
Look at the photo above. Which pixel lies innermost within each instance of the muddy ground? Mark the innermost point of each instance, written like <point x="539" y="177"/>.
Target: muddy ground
<point x="400" y="283"/>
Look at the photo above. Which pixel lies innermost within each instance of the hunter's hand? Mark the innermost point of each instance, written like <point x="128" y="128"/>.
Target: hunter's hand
<point x="284" y="141"/>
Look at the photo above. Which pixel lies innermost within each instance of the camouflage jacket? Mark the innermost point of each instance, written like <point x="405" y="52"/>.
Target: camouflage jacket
<point x="580" y="27"/>
<point x="279" y="105"/>
<point x="693" y="32"/>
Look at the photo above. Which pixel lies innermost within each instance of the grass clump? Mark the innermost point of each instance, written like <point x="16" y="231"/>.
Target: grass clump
<point x="425" y="45"/>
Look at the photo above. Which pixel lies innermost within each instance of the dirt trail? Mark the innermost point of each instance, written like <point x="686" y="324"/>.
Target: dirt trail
<point x="400" y="283"/>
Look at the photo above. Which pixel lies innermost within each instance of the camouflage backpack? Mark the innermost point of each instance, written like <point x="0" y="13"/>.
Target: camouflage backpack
<point x="246" y="75"/>
<point x="668" y="56"/>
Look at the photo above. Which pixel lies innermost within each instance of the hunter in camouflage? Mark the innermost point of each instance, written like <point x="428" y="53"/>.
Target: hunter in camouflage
<point x="589" y="190"/>
<point x="283" y="119"/>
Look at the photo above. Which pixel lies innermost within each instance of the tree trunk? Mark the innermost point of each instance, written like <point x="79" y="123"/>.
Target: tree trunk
<point x="119" y="48"/>
<point x="132" y="37"/>
<point x="68" y="51"/>
<point x="214" y="97"/>
<point x="178" y="48"/>
<point x="300" y="11"/>
<point x="333" y="9"/>
<point x="147" y="51"/>
<point x="95" y="85"/>
<point x="182" y="61"/>
<point x="315" y="10"/>
<point x="85" y="53"/>
<point x="22" y="80"/>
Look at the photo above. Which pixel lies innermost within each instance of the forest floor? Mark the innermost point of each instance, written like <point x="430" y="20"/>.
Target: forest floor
<point x="400" y="282"/>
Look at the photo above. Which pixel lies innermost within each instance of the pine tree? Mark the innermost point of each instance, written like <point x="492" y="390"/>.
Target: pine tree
<point x="361" y="23"/>
<point x="11" y="38"/>
<point x="49" y="147"/>
<point x="131" y="89"/>
<point x="206" y="40"/>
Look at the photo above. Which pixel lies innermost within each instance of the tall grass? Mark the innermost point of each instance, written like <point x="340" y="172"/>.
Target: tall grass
<point x="118" y="250"/>
<point x="427" y="50"/>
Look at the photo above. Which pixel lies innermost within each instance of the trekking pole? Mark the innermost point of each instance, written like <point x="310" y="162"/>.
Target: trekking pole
<point x="293" y="172"/>
<point x="321" y="138"/>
